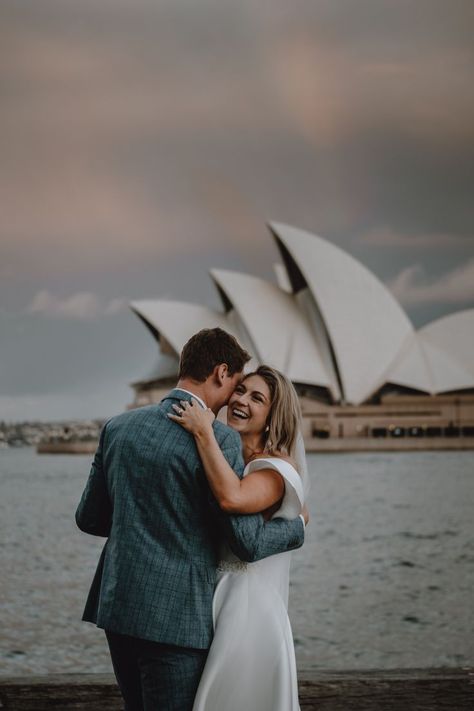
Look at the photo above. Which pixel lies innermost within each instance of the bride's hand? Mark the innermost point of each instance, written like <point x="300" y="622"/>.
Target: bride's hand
<point x="305" y="513"/>
<point x="193" y="417"/>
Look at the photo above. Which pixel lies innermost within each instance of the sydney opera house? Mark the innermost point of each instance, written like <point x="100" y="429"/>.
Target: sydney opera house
<point x="366" y="378"/>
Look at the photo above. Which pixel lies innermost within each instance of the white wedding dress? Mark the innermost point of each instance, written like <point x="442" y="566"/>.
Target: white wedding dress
<point x="251" y="664"/>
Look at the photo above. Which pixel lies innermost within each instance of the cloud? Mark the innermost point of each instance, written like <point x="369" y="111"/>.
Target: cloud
<point x="84" y="306"/>
<point x="386" y="237"/>
<point x="342" y="69"/>
<point x="112" y="122"/>
<point x="413" y="287"/>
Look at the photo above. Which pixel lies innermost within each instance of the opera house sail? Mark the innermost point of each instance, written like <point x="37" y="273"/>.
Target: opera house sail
<point x="367" y="380"/>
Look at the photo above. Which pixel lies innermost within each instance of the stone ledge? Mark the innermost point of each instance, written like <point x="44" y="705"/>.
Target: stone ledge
<point x="371" y="690"/>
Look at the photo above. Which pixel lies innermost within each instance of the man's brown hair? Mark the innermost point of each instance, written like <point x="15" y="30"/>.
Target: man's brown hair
<point x="208" y="348"/>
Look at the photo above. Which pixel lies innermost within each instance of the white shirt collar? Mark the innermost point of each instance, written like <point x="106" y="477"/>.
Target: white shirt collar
<point x="196" y="397"/>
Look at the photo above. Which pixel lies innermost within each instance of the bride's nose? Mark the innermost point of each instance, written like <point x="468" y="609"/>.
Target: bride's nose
<point x="241" y="399"/>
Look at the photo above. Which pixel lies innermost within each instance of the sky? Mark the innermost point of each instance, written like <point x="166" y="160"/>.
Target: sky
<point x="143" y="142"/>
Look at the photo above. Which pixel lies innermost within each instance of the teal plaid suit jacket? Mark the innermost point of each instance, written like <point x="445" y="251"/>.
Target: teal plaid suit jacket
<point x="148" y="494"/>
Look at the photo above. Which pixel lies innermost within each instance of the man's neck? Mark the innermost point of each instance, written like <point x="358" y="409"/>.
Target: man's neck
<point x="194" y="387"/>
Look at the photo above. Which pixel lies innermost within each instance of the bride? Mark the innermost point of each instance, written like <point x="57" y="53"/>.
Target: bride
<point x="251" y="662"/>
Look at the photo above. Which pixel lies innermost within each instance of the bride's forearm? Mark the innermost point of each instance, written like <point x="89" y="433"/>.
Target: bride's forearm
<point x="255" y="493"/>
<point x="224" y="482"/>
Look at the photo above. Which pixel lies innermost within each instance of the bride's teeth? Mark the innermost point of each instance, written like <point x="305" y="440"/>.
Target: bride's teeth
<point x="240" y="414"/>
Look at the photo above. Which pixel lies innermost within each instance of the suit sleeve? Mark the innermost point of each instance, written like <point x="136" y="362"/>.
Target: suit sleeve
<point x="250" y="537"/>
<point x="94" y="513"/>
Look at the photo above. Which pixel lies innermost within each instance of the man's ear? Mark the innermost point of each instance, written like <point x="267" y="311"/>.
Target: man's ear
<point x="221" y="373"/>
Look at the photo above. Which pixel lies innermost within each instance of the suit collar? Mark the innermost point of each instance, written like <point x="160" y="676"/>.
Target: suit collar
<point x="181" y="394"/>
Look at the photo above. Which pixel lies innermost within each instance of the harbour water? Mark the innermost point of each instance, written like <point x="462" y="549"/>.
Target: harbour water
<point x="385" y="578"/>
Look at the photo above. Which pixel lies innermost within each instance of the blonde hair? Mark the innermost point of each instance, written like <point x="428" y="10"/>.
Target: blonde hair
<point x="284" y="418"/>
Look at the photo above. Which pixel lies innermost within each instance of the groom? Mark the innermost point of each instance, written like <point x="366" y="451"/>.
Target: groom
<point x="148" y="495"/>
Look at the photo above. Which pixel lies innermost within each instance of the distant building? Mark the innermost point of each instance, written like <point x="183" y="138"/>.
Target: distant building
<point x="366" y="378"/>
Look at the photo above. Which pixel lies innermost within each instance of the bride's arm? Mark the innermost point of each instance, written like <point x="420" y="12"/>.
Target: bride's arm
<point x="254" y="493"/>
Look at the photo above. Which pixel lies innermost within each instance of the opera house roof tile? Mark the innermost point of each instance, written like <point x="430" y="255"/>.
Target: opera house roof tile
<point x="279" y="332"/>
<point x="411" y="369"/>
<point x="176" y="321"/>
<point x="366" y="326"/>
<point x="453" y="334"/>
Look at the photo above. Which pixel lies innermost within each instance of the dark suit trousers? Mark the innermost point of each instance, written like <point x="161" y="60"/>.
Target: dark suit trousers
<point x="154" y="676"/>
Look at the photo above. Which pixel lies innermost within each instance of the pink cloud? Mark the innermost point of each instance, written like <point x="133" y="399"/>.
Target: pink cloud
<point x="412" y="286"/>
<point x="386" y="237"/>
<point x="83" y="306"/>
